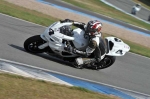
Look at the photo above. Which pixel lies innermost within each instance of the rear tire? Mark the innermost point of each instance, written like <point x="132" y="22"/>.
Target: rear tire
<point x="32" y="43"/>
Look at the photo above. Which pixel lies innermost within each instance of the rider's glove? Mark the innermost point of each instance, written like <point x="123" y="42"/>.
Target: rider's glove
<point x="66" y="20"/>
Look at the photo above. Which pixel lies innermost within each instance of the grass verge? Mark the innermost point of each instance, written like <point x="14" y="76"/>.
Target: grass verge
<point x="18" y="87"/>
<point x="42" y="19"/>
<point x="102" y="8"/>
<point x="25" y="14"/>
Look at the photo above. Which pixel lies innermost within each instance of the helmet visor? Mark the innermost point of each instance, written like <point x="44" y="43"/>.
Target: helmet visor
<point x="99" y="29"/>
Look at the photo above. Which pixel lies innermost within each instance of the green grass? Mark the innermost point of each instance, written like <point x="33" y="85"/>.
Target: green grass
<point x="100" y="7"/>
<point x="23" y="13"/>
<point x="138" y="49"/>
<point x="18" y="87"/>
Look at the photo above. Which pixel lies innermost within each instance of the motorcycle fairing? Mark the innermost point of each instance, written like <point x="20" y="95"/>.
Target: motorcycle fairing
<point x="116" y="47"/>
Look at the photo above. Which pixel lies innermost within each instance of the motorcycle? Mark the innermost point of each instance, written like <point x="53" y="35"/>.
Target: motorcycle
<point x="135" y="9"/>
<point x="57" y="35"/>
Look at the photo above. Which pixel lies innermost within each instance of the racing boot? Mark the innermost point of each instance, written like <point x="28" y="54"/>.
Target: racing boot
<point x="80" y="62"/>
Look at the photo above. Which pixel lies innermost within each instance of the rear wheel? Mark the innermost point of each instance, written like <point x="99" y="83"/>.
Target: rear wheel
<point x="32" y="43"/>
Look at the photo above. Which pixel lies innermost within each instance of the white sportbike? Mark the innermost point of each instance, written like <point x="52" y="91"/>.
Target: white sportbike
<point x="135" y="9"/>
<point x="57" y="35"/>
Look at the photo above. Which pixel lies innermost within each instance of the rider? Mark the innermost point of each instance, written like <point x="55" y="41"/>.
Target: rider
<point x="92" y="28"/>
<point x="136" y="8"/>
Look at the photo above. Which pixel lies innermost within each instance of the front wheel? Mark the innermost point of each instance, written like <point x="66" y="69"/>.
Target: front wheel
<point x="107" y="62"/>
<point x="32" y="43"/>
<point x="133" y="11"/>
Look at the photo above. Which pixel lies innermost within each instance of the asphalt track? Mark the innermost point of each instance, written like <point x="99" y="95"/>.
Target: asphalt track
<point x="130" y="72"/>
<point x="63" y="4"/>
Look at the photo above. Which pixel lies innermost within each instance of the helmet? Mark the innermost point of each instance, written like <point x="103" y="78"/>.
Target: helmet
<point x="138" y="4"/>
<point x="93" y="27"/>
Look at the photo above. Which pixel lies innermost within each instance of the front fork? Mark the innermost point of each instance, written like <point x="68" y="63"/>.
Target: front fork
<point x="43" y="45"/>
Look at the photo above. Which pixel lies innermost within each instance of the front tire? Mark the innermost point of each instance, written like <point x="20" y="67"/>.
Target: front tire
<point x="107" y="62"/>
<point x="133" y="11"/>
<point x="32" y="43"/>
